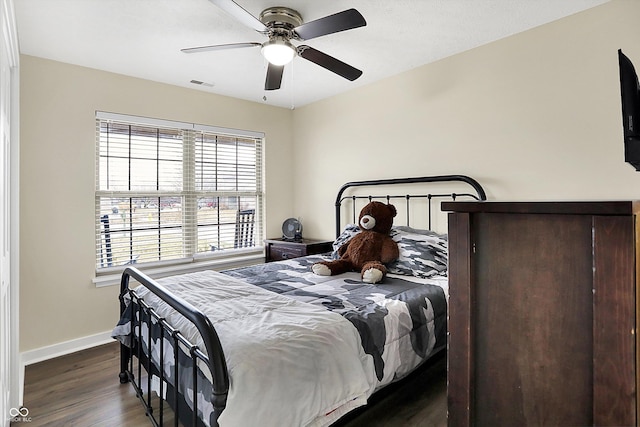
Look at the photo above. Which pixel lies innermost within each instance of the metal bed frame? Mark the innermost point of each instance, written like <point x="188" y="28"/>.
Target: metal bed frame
<point x="213" y="357"/>
<point x="480" y="194"/>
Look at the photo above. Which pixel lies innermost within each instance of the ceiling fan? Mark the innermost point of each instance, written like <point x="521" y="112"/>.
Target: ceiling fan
<point x="281" y="25"/>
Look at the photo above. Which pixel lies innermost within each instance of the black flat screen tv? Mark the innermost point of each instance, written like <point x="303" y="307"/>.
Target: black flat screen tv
<point x="630" y="96"/>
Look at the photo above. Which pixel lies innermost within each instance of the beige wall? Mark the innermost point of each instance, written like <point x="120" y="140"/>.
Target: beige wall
<point x="535" y="116"/>
<point x="58" y="104"/>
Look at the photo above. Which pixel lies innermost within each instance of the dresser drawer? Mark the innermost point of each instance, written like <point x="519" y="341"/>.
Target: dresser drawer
<point x="279" y="253"/>
<point x="279" y="249"/>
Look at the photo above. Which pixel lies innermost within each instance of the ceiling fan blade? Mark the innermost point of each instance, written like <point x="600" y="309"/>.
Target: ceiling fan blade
<point x="340" y="21"/>
<point x="238" y="12"/>
<point x="219" y="47"/>
<point x="274" y="77"/>
<point x="329" y="62"/>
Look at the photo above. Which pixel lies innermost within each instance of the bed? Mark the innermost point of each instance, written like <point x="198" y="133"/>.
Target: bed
<point x="274" y="344"/>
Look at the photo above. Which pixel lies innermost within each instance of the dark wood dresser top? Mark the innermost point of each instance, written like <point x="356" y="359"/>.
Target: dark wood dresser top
<point x="566" y="208"/>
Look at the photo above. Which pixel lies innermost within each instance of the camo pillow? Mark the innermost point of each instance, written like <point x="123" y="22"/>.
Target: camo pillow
<point x="423" y="253"/>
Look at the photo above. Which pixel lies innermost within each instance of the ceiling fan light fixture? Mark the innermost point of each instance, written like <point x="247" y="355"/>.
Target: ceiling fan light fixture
<point x="278" y="51"/>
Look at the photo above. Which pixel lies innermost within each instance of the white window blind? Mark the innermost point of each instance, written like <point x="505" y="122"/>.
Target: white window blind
<point x="172" y="191"/>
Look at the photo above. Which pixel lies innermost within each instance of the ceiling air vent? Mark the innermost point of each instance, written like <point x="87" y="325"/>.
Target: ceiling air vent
<point x="200" y="83"/>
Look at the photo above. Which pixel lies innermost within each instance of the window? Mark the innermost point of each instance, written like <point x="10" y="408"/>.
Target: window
<point x="175" y="192"/>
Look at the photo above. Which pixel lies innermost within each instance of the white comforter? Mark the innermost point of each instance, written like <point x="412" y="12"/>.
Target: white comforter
<point x="290" y="363"/>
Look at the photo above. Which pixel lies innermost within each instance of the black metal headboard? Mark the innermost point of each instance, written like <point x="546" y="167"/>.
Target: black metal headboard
<point x="479" y="193"/>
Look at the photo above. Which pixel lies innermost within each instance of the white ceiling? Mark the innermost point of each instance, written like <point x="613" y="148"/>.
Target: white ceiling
<point x="143" y="38"/>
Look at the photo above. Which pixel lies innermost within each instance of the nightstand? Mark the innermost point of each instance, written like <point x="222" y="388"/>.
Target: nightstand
<point x="279" y="249"/>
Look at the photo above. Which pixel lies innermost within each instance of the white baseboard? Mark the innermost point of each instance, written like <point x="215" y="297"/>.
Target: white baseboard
<point x="67" y="347"/>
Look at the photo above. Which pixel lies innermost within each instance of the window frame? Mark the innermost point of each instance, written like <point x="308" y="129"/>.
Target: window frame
<point x="191" y="259"/>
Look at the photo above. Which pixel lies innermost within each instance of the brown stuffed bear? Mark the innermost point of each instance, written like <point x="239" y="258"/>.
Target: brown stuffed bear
<point x="368" y="250"/>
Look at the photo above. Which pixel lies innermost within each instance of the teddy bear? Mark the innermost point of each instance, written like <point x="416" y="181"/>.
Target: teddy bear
<point x="370" y="249"/>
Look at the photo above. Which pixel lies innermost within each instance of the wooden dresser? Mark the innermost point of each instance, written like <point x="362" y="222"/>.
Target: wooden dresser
<point x="543" y="313"/>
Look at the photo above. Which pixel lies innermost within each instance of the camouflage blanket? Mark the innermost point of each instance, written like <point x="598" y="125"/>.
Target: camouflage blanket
<point x="399" y="323"/>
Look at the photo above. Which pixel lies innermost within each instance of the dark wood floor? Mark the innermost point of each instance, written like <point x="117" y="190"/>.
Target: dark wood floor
<point x="82" y="389"/>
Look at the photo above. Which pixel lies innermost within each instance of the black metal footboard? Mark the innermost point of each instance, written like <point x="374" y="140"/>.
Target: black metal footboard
<point x="145" y="320"/>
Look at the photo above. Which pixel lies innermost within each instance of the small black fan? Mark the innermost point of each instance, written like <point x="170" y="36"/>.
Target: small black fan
<point x="292" y="229"/>
<point x="281" y="25"/>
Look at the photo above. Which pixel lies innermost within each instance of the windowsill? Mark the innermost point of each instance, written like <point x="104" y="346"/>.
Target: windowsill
<point x="156" y="272"/>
